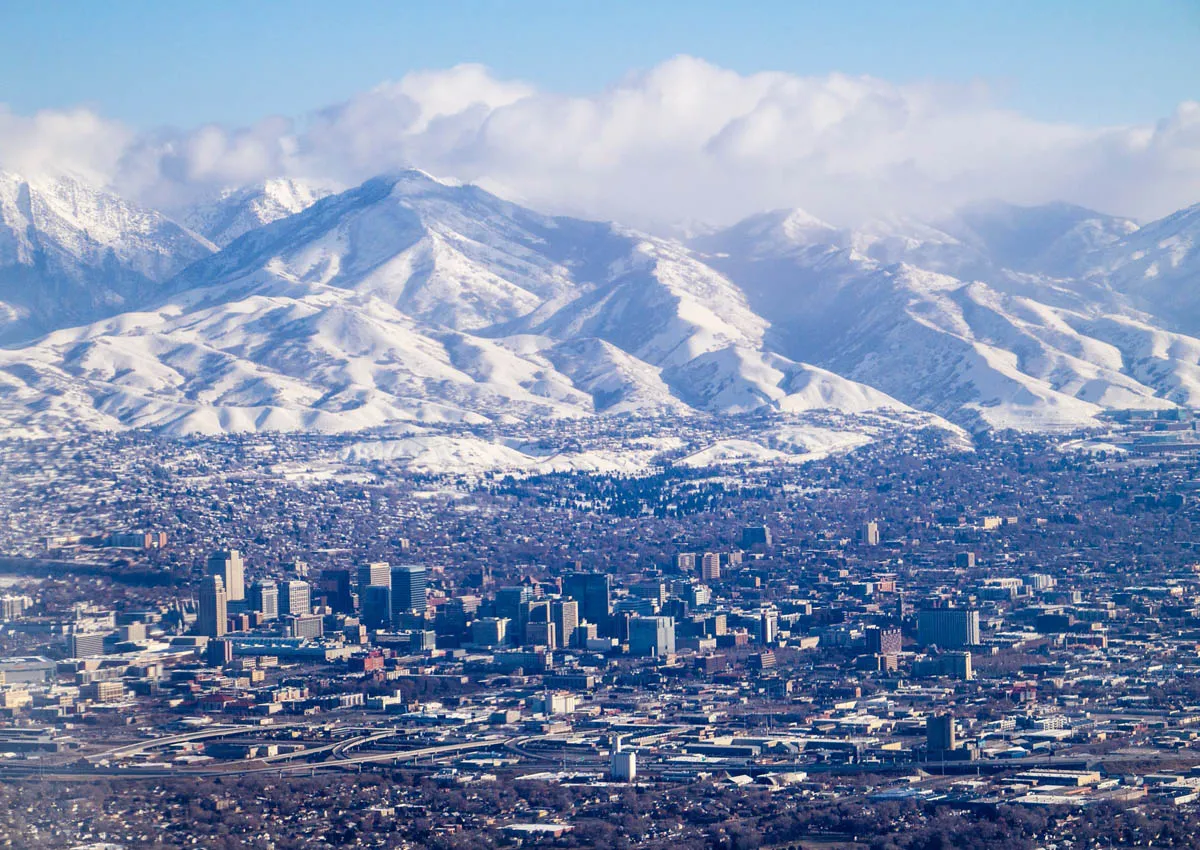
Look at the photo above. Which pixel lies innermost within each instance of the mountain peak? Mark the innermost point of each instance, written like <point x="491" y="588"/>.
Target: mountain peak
<point x="238" y="210"/>
<point x="71" y="252"/>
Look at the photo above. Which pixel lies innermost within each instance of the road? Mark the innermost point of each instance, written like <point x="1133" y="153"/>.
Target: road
<point x="14" y="770"/>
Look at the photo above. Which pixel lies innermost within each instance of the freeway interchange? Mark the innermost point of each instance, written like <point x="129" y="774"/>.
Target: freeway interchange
<point x="351" y="752"/>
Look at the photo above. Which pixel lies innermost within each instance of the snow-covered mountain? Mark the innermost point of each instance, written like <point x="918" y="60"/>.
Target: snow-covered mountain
<point x="70" y="253"/>
<point x="236" y="211"/>
<point x="407" y="299"/>
<point x="1158" y="268"/>
<point x="980" y="318"/>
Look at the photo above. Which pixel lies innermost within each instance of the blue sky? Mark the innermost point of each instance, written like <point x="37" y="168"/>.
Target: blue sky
<point x="180" y="64"/>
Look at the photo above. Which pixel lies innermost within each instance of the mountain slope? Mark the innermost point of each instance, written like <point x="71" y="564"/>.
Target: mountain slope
<point x="406" y="299"/>
<point x="1016" y="348"/>
<point x="70" y="253"/>
<point x="1158" y="268"/>
<point x="236" y="212"/>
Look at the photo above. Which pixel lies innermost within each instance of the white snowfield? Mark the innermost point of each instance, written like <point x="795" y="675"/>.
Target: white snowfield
<point x="290" y="306"/>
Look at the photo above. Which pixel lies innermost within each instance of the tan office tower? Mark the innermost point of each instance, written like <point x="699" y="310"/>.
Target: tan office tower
<point x="374" y="574"/>
<point x="214" y="610"/>
<point x="564" y="613"/>
<point x="870" y="534"/>
<point x="228" y="565"/>
<point x="710" y="566"/>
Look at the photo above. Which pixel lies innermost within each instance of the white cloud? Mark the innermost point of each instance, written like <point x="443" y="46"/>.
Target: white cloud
<point x="684" y="141"/>
<point x="77" y="140"/>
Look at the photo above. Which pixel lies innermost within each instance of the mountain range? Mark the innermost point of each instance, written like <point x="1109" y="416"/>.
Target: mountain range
<point x="291" y="306"/>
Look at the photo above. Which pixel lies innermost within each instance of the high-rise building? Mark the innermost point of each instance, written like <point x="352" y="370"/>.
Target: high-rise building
<point x="565" y="614"/>
<point x="948" y="628"/>
<point x="870" y="534"/>
<point x="13" y="607"/>
<point x="939" y="732"/>
<point x="490" y="631"/>
<point x="264" y="598"/>
<point x="295" y="598"/>
<point x="635" y="605"/>
<point x="452" y="617"/>
<point x="958" y="665"/>
<point x="593" y="592"/>
<point x="756" y="535"/>
<point x="85" y="644"/>
<point x="541" y="633"/>
<point x="881" y="641"/>
<point x="214" y="607"/>
<point x="509" y="601"/>
<point x="652" y="636"/>
<point x="335" y="587"/>
<point x="655" y="591"/>
<point x="768" y="627"/>
<point x="512" y="604"/>
<point x="218" y="653"/>
<point x="537" y="611"/>
<point x="685" y="562"/>
<point x="696" y="595"/>
<point x="308" y="626"/>
<point x="710" y="566"/>
<point x="1040" y="581"/>
<point x="376" y="573"/>
<point x="408" y="589"/>
<point x="227" y="563"/>
<point x="376" y="603"/>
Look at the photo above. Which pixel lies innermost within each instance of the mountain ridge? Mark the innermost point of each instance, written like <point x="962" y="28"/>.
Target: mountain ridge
<point x="408" y="299"/>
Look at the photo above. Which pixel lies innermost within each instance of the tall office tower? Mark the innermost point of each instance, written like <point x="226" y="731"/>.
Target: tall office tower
<point x="376" y="573"/>
<point x="512" y="604"/>
<point x="635" y="605"/>
<point x="509" y="601"/>
<point x="710" y="566"/>
<point x="696" y="595"/>
<point x="227" y="564"/>
<point x="939" y="732"/>
<point x="214" y="607"/>
<point x="376" y="603"/>
<point x="490" y="631"/>
<point x="264" y="598"/>
<point x="948" y="628"/>
<point x="452" y="617"/>
<point x="218" y="653"/>
<point x="756" y="535"/>
<point x="652" y="636"/>
<point x="882" y="641"/>
<point x="85" y="644"/>
<point x="565" y="614"/>
<point x="768" y="627"/>
<point x="655" y="591"/>
<point x="685" y="562"/>
<point x="335" y="587"/>
<point x="308" y="626"/>
<point x="1040" y="582"/>
<point x="870" y="534"/>
<point x="408" y="589"/>
<point x="295" y="598"/>
<point x="540" y="633"/>
<point x="593" y="592"/>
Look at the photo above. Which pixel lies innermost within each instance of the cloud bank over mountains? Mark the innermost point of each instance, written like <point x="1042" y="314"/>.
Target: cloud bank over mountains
<point x="683" y="142"/>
